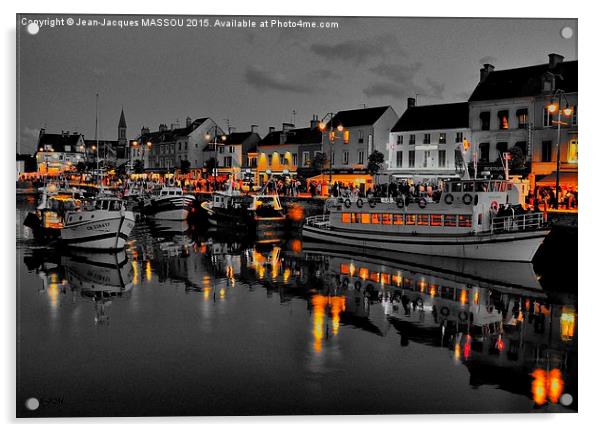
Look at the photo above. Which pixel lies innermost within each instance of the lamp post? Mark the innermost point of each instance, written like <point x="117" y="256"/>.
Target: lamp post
<point x="331" y="138"/>
<point x="223" y="138"/>
<point x="567" y="111"/>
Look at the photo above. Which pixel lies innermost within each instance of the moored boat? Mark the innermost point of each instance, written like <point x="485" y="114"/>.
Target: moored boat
<point x="475" y="219"/>
<point x="169" y="203"/>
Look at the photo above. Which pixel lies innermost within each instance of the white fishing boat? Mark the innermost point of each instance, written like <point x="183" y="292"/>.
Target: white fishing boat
<point x="169" y="203"/>
<point x="475" y="219"/>
<point x="104" y="225"/>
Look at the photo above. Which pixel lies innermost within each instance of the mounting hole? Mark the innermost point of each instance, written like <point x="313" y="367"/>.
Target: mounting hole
<point x="32" y="404"/>
<point x="33" y="28"/>
<point x="566" y="399"/>
<point x="566" y="32"/>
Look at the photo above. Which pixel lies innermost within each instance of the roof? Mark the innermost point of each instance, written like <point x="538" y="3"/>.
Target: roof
<point x="59" y="141"/>
<point x="432" y="117"/>
<point x="122" y="123"/>
<point x="525" y="81"/>
<point x="169" y="135"/>
<point x="306" y="135"/>
<point x="358" y="117"/>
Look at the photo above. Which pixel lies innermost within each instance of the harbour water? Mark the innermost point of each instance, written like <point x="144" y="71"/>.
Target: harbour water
<point x="192" y="322"/>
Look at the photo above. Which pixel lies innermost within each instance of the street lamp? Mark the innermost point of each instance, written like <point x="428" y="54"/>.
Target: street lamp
<point x="567" y="111"/>
<point x="215" y="169"/>
<point x="331" y="138"/>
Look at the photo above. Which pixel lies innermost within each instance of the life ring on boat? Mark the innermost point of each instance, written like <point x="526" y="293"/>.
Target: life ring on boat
<point x="347" y="203"/>
<point x="444" y="311"/>
<point x="359" y="203"/>
<point x="372" y="202"/>
<point x="495" y="206"/>
<point x="400" y="202"/>
<point x="422" y="202"/>
<point x="463" y="316"/>
<point x="467" y="199"/>
<point x="449" y="199"/>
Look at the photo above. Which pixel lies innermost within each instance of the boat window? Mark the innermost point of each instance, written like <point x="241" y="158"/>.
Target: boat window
<point x="385" y="278"/>
<point x="376" y="218"/>
<point x="465" y="221"/>
<point x="496" y="186"/>
<point x="346" y="217"/>
<point x="436" y="220"/>
<point x="482" y="186"/>
<point x="468" y="186"/>
<point x="411" y="219"/>
<point x="387" y="218"/>
<point x="397" y="219"/>
<point x="115" y="205"/>
<point x="456" y="187"/>
<point x="480" y="219"/>
<point x="450" y="220"/>
<point x="98" y="205"/>
<point x="423" y="219"/>
<point x="356" y="217"/>
<point x="365" y="218"/>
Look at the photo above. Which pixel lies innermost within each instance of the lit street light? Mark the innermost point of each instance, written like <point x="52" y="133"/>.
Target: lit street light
<point x="567" y="111"/>
<point x="331" y="138"/>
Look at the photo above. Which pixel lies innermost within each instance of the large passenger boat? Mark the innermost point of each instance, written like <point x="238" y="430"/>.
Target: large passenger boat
<point x="475" y="219"/>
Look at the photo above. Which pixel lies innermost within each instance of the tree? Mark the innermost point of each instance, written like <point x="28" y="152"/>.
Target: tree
<point x="375" y="162"/>
<point x="518" y="158"/>
<point x="138" y="166"/>
<point x="318" y="162"/>
<point x="184" y="166"/>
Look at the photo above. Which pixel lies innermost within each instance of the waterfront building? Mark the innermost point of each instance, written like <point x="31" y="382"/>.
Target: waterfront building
<point x="110" y="152"/>
<point x="56" y="153"/>
<point x="284" y="151"/>
<point x="231" y="153"/>
<point x="351" y="136"/>
<point x="508" y="112"/>
<point x="165" y="149"/>
<point x="427" y="141"/>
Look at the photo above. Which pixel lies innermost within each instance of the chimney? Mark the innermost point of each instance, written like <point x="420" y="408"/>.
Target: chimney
<point x="555" y="60"/>
<point x="188" y="121"/>
<point x="287" y="126"/>
<point x="314" y="122"/>
<point x="162" y="127"/>
<point x="411" y="102"/>
<point x="42" y="131"/>
<point x="485" y="71"/>
<point x="271" y="129"/>
<point x="144" y="130"/>
<point x="172" y="126"/>
<point x="254" y="128"/>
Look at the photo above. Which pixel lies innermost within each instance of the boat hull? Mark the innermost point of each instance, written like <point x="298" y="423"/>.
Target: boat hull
<point x="170" y="208"/>
<point x="104" y="232"/>
<point x="515" y="246"/>
<point x="177" y="214"/>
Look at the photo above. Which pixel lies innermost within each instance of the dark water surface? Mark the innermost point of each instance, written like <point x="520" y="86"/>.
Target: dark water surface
<point x="207" y="324"/>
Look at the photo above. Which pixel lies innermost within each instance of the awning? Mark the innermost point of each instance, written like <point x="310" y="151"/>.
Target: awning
<point x="566" y="179"/>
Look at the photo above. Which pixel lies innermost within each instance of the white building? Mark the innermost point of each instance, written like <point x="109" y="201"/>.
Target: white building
<point x="59" y="152"/>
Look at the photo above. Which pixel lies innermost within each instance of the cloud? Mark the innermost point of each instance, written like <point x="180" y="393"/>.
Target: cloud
<point x="324" y="74"/>
<point x="360" y="50"/>
<point x="262" y="79"/>
<point x="388" y="90"/>
<point x="397" y="72"/>
<point x="435" y="88"/>
<point x="488" y="60"/>
<point x="402" y="82"/>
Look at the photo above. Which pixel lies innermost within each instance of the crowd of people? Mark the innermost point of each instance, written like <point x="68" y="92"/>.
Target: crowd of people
<point x="544" y="198"/>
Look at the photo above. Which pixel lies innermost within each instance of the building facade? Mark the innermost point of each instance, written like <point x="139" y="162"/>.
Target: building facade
<point x="56" y="153"/>
<point x="427" y="142"/>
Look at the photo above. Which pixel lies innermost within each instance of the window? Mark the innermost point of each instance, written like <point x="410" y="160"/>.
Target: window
<point x="399" y="156"/>
<point x="547" y="117"/>
<point x="387" y="218"/>
<point x="459" y="137"/>
<point x="573" y="151"/>
<point x="397" y="219"/>
<point x="465" y="221"/>
<point x="228" y="161"/>
<point x="503" y="119"/>
<point x="399" y="139"/>
<point x="523" y="118"/>
<point x="485" y="117"/>
<point x="295" y="159"/>
<point x="442" y="138"/>
<point x="423" y="219"/>
<point x="283" y="160"/>
<point x="305" y="158"/>
<point x="436" y="220"/>
<point x="501" y="148"/>
<point x="360" y="136"/>
<point x="449" y="220"/>
<point x="546" y="151"/>
<point x="484" y="152"/>
<point x="522" y="145"/>
<point x="427" y="157"/>
<point x="375" y="218"/>
<point x="412" y="139"/>
<point x="442" y="159"/>
<point x="574" y="119"/>
<point x="346" y="217"/>
<point x="221" y="149"/>
<point x="345" y="157"/>
<point x="179" y="146"/>
<point x="346" y="137"/>
<point x="427" y="138"/>
<point x="411" y="159"/>
<point x="411" y="219"/>
<point x="365" y="218"/>
<point x="360" y="157"/>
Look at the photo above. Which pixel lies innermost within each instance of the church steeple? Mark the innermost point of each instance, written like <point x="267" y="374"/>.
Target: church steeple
<point x="122" y="129"/>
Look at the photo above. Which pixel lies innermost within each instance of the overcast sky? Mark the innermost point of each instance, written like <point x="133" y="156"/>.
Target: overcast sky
<point x="259" y="76"/>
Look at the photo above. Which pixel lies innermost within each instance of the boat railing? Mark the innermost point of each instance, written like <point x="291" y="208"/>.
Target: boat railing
<point x="520" y="222"/>
<point x="318" y="221"/>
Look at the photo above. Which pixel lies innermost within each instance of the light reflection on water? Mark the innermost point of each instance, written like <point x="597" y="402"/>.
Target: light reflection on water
<point x="297" y="319"/>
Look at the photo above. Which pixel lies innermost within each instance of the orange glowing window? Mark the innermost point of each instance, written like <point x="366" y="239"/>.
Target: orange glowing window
<point x="375" y="277"/>
<point x="398" y="219"/>
<point x="363" y="273"/>
<point x="387" y="219"/>
<point x="385" y="278"/>
<point x="423" y="219"/>
<point x="346" y="137"/>
<point x="410" y="219"/>
<point x="436" y="220"/>
<point x="450" y="220"/>
<point x="346" y="217"/>
<point x="365" y="218"/>
<point x="397" y="280"/>
<point x="376" y="218"/>
<point x="345" y="269"/>
<point x="465" y="221"/>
